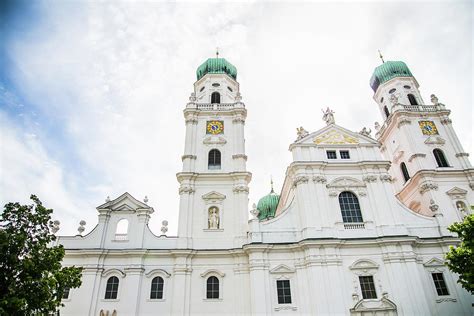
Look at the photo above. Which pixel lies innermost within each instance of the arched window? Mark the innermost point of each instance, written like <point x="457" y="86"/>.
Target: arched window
<point x="215" y="97"/>
<point x="412" y="99"/>
<point x="214" y="160"/>
<point x="405" y="173"/>
<point x="387" y="113"/>
<point x="440" y="159"/>
<point x="157" y="288"/>
<point x="112" y="288"/>
<point x="212" y="287"/>
<point x="121" y="230"/>
<point x="350" y="208"/>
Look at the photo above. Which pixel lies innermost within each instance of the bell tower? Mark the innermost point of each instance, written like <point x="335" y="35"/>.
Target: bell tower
<point x="213" y="210"/>
<point x="428" y="162"/>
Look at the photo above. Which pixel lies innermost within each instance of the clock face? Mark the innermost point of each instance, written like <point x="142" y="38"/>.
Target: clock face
<point x="215" y="127"/>
<point x="428" y="128"/>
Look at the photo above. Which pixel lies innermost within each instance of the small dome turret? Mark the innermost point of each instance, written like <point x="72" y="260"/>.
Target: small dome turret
<point x="267" y="205"/>
<point x="216" y="66"/>
<point x="389" y="70"/>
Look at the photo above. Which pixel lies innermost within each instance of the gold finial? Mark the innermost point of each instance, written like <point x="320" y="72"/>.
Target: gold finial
<point x="381" y="57"/>
<point x="217" y="52"/>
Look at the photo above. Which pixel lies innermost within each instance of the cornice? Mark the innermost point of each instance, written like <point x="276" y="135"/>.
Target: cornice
<point x="247" y="249"/>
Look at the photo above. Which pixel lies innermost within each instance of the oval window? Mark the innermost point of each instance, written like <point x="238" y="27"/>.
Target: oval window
<point x="392" y="90"/>
<point x="407" y="87"/>
<point x="230" y="89"/>
<point x="201" y="89"/>
<point x="216" y="85"/>
<point x="381" y="100"/>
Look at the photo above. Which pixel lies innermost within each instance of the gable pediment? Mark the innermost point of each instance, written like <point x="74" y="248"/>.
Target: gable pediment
<point x="457" y="193"/>
<point x="124" y="203"/>
<point x="434" y="262"/>
<point x="435" y="140"/>
<point x="282" y="269"/>
<point x="364" y="264"/>
<point x="214" y="196"/>
<point x="335" y="135"/>
<point x="374" y="307"/>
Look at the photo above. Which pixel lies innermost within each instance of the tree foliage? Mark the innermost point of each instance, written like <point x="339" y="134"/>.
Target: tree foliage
<point x="460" y="259"/>
<point x="32" y="280"/>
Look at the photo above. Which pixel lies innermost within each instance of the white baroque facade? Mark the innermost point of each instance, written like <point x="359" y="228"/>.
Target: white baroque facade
<point x="353" y="232"/>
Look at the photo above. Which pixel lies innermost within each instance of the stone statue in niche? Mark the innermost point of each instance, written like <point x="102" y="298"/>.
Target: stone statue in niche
<point x="214" y="221"/>
<point x="462" y="208"/>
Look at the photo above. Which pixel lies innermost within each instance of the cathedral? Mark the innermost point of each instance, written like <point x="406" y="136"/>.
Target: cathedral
<point x="359" y="227"/>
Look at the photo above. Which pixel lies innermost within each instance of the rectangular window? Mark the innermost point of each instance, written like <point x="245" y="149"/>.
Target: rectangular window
<point x="331" y="154"/>
<point x="284" y="292"/>
<point x="65" y="293"/>
<point x="367" y="287"/>
<point x="345" y="154"/>
<point x="440" y="284"/>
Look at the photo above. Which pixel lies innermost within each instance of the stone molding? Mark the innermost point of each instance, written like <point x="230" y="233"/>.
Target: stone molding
<point x="285" y="308"/>
<point x="370" y="179"/>
<point x="386" y="178"/>
<point x="320" y="179"/>
<point x="428" y="186"/>
<point x="112" y="272"/>
<point x="416" y="156"/>
<point x="341" y="184"/>
<point x="364" y="267"/>
<point x="446" y="121"/>
<point x="446" y="299"/>
<point x="238" y="119"/>
<point x="191" y="120"/>
<point x="214" y="140"/>
<point x="299" y="180"/>
<point x="188" y="157"/>
<point x="241" y="189"/>
<point x="158" y="272"/>
<point x="237" y="156"/>
<point x="212" y="272"/>
<point x="185" y="189"/>
<point x="403" y="122"/>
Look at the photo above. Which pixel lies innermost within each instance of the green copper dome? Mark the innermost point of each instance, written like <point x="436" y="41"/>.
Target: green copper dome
<point x="216" y="66"/>
<point x="387" y="71"/>
<point x="267" y="205"/>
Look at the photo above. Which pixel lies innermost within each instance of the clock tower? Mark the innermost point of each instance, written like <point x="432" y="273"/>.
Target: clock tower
<point x="431" y="172"/>
<point x="214" y="179"/>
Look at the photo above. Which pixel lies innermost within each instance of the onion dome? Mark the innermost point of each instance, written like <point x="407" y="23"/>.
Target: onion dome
<point x="267" y="205"/>
<point x="216" y="66"/>
<point x="389" y="70"/>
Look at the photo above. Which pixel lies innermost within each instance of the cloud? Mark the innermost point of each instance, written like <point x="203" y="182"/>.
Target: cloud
<point x="108" y="82"/>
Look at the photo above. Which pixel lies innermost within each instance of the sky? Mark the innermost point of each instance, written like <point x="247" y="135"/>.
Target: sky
<point x="92" y="93"/>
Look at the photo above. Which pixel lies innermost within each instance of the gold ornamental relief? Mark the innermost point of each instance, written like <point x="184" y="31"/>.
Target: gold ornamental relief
<point x="335" y="138"/>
